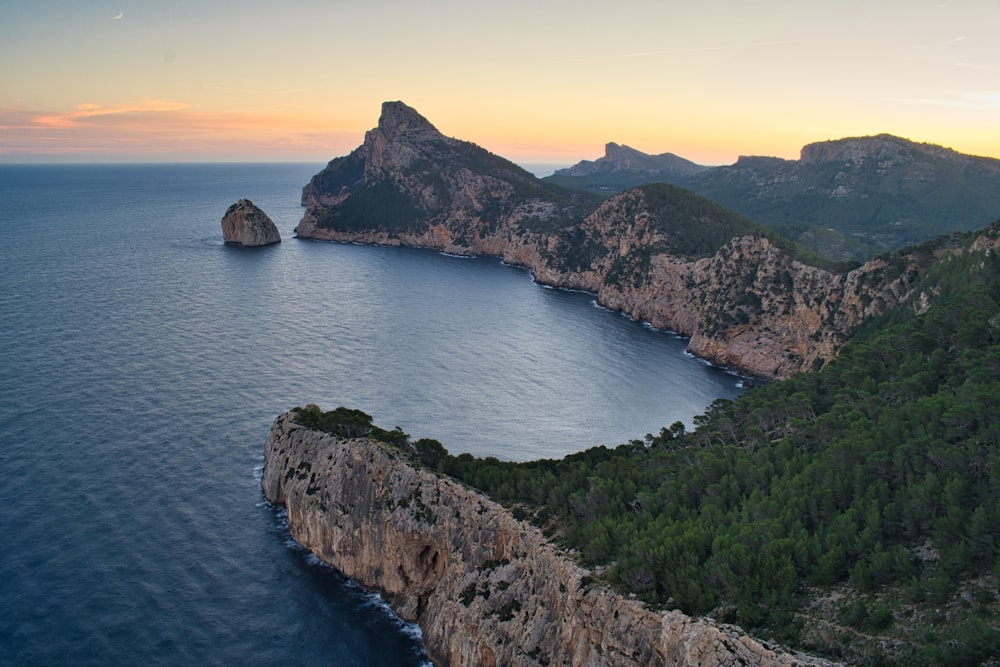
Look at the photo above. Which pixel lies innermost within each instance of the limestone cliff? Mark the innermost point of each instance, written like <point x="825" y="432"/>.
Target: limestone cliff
<point x="485" y="588"/>
<point x="408" y="184"/>
<point x="657" y="252"/>
<point x="245" y="224"/>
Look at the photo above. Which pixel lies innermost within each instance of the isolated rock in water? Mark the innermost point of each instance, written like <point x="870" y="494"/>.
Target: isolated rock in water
<point x="247" y="225"/>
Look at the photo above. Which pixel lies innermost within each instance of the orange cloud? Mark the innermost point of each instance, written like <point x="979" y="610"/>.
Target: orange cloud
<point x="158" y="129"/>
<point x="84" y="111"/>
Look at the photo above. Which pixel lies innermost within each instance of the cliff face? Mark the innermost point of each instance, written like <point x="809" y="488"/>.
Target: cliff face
<point x="750" y="306"/>
<point x="485" y="588"/>
<point x="657" y="252"/>
<point x="408" y="184"/>
<point x="245" y="224"/>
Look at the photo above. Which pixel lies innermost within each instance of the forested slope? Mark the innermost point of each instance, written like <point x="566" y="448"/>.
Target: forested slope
<point x="853" y="511"/>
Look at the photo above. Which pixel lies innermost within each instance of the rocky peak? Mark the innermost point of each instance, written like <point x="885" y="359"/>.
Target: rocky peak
<point x="402" y="137"/>
<point x="398" y="119"/>
<point x="246" y="225"/>
<point x="622" y="157"/>
<point x="856" y="150"/>
<point x="407" y="174"/>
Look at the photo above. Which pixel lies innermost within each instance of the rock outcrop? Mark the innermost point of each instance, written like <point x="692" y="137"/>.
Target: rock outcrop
<point x="485" y="588"/>
<point x="246" y="225"/>
<point x="657" y="252"/>
<point x="408" y="184"/>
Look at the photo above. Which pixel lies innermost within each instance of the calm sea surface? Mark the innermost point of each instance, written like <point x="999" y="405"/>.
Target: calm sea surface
<point x="142" y="362"/>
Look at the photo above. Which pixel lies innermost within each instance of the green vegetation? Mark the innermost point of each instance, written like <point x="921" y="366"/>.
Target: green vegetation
<point x="448" y="158"/>
<point x="443" y="164"/>
<point x="696" y="227"/>
<point x="683" y="223"/>
<point x="853" y="511"/>
<point x="900" y="193"/>
<point x="347" y="423"/>
<point x="877" y="478"/>
<point x="613" y="182"/>
<point x="380" y="205"/>
<point x="918" y="196"/>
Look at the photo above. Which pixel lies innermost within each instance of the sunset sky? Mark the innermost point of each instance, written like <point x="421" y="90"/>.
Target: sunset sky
<point x="536" y="82"/>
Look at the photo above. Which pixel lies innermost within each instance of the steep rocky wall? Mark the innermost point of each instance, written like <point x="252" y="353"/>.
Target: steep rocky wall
<point x="485" y="588"/>
<point x="752" y="307"/>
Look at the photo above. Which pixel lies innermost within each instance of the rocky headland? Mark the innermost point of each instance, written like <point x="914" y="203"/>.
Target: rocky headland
<point x="247" y="225"/>
<point x="485" y="588"/>
<point x="745" y="297"/>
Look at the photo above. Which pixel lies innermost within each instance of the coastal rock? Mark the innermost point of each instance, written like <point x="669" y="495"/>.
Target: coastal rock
<point x="485" y="588"/>
<point x="246" y="225"/>
<point x="408" y="184"/>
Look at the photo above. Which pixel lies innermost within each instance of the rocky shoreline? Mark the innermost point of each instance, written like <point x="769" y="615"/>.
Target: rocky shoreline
<point x="485" y="588"/>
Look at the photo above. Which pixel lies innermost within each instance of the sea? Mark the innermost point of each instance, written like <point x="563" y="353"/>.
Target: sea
<point x="142" y="362"/>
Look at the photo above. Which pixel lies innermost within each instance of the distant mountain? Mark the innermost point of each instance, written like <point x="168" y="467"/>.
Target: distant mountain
<point x="623" y="167"/>
<point x="875" y="193"/>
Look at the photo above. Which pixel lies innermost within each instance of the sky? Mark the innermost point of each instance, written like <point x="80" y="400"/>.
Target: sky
<point x="536" y="82"/>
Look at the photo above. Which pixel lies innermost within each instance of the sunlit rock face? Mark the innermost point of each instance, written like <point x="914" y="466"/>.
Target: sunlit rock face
<point x="246" y="225"/>
<point x="485" y="588"/>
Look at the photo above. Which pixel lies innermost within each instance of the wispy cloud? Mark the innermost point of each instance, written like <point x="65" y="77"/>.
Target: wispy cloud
<point x="84" y="111"/>
<point x="983" y="99"/>
<point x="645" y="54"/>
<point x="979" y="67"/>
<point x="158" y="128"/>
<point x="672" y="52"/>
<point x="258" y="91"/>
<point x="947" y="42"/>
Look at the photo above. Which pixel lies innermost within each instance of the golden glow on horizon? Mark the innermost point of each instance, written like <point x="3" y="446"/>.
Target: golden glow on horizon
<point x="533" y="84"/>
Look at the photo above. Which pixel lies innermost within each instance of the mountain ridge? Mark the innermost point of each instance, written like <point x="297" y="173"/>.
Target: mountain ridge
<point x="878" y="192"/>
<point x="745" y="297"/>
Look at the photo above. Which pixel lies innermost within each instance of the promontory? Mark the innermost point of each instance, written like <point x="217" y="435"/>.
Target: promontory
<point x="486" y="588"/>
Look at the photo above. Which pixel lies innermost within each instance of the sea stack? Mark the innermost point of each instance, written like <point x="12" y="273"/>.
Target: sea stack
<point x="246" y="225"/>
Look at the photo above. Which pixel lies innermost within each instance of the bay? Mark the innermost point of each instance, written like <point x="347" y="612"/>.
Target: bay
<point x="143" y="361"/>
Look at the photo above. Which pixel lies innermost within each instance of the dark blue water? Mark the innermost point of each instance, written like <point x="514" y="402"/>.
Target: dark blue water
<point x="142" y="362"/>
